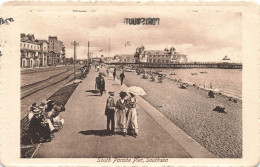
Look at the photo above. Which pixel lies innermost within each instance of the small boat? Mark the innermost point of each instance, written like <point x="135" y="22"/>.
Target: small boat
<point x="203" y="72"/>
<point x="173" y="73"/>
<point x="226" y="58"/>
<point x="127" y="69"/>
<point x="193" y="73"/>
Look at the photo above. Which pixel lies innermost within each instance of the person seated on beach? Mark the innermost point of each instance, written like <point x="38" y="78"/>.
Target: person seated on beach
<point x="210" y="85"/>
<point x="205" y="84"/>
<point x="107" y="72"/>
<point x="152" y="78"/>
<point x="184" y="85"/>
<point x="212" y="94"/>
<point x="160" y="78"/>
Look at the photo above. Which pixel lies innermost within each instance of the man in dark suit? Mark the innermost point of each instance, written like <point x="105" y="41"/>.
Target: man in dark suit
<point x="100" y="81"/>
<point x="110" y="113"/>
<point x="122" y="77"/>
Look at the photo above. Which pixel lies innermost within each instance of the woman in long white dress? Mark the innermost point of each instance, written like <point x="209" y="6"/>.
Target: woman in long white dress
<point x="131" y="125"/>
<point x="120" y="114"/>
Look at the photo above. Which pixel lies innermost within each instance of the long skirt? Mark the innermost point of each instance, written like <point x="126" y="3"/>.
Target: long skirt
<point x="131" y="124"/>
<point x="120" y="121"/>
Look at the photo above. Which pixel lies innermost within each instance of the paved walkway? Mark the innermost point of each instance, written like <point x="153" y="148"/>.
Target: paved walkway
<point x="83" y="133"/>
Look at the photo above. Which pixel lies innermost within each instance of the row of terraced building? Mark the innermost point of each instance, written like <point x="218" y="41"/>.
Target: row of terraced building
<point x="41" y="53"/>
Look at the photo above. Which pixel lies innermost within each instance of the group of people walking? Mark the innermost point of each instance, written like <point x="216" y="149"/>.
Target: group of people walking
<point x="122" y="75"/>
<point x="122" y="114"/>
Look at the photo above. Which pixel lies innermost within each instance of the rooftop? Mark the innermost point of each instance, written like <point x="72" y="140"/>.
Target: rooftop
<point x="154" y="52"/>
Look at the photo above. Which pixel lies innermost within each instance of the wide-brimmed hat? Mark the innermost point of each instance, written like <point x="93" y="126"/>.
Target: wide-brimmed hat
<point x="36" y="111"/>
<point x="131" y="93"/>
<point x="111" y="92"/>
<point x="45" y="101"/>
<point x="123" y="93"/>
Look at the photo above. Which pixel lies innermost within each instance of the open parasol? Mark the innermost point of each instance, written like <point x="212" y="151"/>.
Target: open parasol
<point x="216" y="91"/>
<point x="136" y="90"/>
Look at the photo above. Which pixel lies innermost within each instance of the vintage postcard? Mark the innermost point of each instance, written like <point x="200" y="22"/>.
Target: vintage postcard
<point x="129" y="83"/>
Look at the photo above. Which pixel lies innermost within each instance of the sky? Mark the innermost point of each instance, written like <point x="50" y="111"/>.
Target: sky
<point x="202" y="35"/>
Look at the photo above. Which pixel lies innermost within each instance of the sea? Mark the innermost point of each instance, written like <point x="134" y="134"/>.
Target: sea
<point x="228" y="81"/>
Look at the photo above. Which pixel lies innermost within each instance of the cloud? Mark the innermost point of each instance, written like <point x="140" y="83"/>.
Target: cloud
<point x="202" y="35"/>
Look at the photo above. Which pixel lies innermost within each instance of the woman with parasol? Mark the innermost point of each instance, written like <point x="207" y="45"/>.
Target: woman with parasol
<point x="131" y="124"/>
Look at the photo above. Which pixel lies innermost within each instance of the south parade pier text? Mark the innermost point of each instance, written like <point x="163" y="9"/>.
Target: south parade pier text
<point x="131" y="160"/>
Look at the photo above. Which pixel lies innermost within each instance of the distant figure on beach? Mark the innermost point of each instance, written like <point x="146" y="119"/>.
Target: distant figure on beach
<point x="107" y="72"/>
<point x="120" y="115"/>
<point x="205" y="85"/>
<point x="122" y="77"/>
<point x="210" y="85"/>
<point x="131" y="124"/>
<point x="98" y="68"/>
<point x="100" y="83"/>
<point x="110" y="113"/>
<point x="198" y="87"/>
<point x="114" y="74"/>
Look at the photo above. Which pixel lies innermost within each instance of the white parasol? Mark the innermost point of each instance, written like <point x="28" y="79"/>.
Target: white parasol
<point x="136" y="90"/>
<point x="216" y="91"/>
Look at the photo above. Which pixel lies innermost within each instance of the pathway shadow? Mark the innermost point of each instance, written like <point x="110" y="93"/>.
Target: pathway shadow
<point x="93" y="91"/>
<point x="102" y="132"/>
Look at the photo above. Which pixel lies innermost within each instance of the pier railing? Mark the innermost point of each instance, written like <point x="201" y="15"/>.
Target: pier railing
<point x="184" y="65"/>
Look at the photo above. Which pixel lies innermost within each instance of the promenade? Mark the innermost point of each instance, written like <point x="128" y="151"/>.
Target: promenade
<point x="83" y="134"/>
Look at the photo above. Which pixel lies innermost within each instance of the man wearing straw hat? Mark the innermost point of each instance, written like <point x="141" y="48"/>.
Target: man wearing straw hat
<point x="110" y="113"/>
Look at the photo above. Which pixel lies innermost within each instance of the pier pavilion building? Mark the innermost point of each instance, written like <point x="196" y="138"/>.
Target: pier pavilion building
<point x="165" y="56"/>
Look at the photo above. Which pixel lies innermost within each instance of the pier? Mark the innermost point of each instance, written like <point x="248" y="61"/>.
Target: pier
<point x="185" y="65"/>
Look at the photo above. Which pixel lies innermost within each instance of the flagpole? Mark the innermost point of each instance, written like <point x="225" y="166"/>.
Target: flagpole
<point x="109" y="48"/>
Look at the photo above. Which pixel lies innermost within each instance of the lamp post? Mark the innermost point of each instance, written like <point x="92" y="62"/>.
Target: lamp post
<point x="74" y="44"/>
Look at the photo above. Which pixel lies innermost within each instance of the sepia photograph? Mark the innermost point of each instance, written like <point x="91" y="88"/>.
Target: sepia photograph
<point x="125" y="84"/>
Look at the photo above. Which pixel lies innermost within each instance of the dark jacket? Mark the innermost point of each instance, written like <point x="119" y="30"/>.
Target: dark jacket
<point x="100" y="81"/>
<point x="109" y="106"/>
<point x="122" y="75"/>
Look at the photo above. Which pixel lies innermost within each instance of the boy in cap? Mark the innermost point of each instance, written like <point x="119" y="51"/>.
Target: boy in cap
<point x="110" y="113"/>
